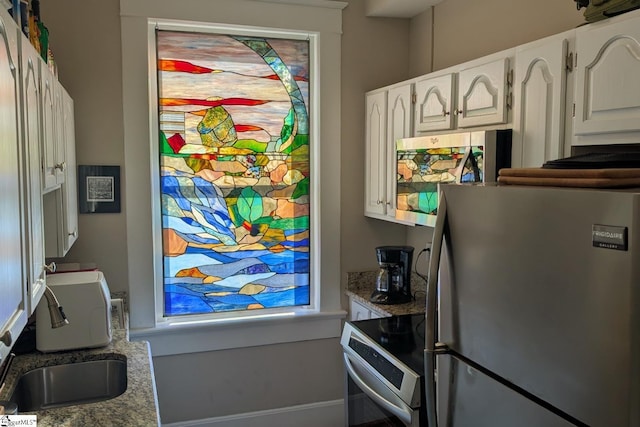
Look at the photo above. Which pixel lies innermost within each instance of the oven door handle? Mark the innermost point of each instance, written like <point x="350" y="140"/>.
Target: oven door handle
<point x="397" y="408"/>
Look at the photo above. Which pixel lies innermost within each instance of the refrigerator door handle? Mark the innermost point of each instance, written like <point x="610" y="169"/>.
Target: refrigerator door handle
<point x="431" y="345"/>
<point x="393" y="404"/>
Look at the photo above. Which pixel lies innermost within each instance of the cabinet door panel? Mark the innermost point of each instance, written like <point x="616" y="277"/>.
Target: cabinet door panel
<point x="32" y="172"/>
<point x="13" y="315"/>
<point x="482" y="94"/>
<point x="50" y="177"/>
<point x="69" y="188"/>
<point x="539" y="93"/>
<point x="434" y="99"/>
<point x="608" y="89"/>
<point x="375" y="163"/>
<point x="399" y="115"/>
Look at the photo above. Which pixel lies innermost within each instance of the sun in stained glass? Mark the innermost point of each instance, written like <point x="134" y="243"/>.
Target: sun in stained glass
<point x="234" y="171"/>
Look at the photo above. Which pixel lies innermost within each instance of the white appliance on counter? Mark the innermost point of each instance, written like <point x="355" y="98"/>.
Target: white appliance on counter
<point x="85" y="298"/>
<point x="533" y="318"/>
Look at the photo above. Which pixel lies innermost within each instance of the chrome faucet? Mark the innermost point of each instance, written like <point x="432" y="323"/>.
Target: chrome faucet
<point x="58" y="318"/>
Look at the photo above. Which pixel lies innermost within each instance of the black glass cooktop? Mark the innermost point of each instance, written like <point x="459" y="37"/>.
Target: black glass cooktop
<point x="401" y="336"/>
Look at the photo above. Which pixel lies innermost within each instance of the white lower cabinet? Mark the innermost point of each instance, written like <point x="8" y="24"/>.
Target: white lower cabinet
<point x="358" y="311"/>
<point x="13" y="311"/>
<point x="540" y="87"/>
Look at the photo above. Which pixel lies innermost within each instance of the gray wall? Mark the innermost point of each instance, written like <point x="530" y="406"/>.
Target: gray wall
<point x="85" y="37"/>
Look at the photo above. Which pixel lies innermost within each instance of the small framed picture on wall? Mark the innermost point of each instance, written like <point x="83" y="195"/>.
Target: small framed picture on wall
<point x="99" y="189"/>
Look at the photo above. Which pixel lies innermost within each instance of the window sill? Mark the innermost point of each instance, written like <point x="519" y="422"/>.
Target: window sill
<point x="222" y="334"/>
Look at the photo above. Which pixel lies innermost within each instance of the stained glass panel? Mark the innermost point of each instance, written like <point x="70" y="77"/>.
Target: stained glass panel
<point x="420" y="171"/>
<point x="234" y="171"/>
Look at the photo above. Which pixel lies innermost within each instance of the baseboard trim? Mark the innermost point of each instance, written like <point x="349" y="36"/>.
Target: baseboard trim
<point x="320" y="414"/>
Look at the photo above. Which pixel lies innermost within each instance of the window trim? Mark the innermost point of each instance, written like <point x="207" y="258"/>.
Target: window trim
<point x="324" y="17"/>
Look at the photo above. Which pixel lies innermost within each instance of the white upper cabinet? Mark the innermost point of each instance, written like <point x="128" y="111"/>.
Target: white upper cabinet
<point x="540" y="86"/>
<point x="31" y="139"/>
<point x="435" y="97"/>
<point x="482" y="93"/>
<point x="607" y="98"/>
<point x="13" y="314"/>
<point x="399" y="118"/>
<point x="69" y="187"/>
<point x="52" y="153"/>
<point x="473" y="94"/>
<point x="375" y="142"/>
<point x="389" y="116"/>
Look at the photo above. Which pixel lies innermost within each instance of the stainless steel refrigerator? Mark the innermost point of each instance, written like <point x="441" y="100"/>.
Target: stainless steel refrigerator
<point x="533" y="307"/>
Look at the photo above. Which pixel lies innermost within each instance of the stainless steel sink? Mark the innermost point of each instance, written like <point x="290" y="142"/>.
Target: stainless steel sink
<point x="70" y="384"/>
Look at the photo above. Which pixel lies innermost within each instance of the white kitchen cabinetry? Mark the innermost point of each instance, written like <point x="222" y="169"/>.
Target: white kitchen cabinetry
<point x="389" y="118"/>
<point x="52" y="149"/>
<point x="375" y="181"/>
<point x="607" y="98"/>
<point x="476" y="93"/>
<point x="61" y="205"/>
<point x="13" y="313"/>
<point x="69" y="187"/>
<point x="482" y="94"/>
<point x="540" y="88"/>
<point x="31" y="139"/>
<point x="435" y="98"/>
<point x="358" y="311"/>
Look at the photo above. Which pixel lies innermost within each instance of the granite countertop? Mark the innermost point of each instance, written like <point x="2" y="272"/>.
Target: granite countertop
<point x="138" y="405"/>
<point x="361" y="284"/>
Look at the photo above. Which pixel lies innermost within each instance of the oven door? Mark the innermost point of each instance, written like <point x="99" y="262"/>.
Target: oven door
<point x="370" y="403"/>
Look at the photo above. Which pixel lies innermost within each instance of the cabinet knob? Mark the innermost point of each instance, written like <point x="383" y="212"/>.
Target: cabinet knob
<point x="6" y="339"/>
<point x="458" y="112"/>
<point x="51" y="267"/>
<point x="61" y="166"/>
<point x="388" y="203"/>
<point x="379" y="202"/>
<point x="74" y="233"/>
<point x="445" y="113"/>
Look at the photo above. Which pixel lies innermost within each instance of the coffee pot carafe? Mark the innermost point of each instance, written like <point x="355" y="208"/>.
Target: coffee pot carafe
<point x="393" y="282"/>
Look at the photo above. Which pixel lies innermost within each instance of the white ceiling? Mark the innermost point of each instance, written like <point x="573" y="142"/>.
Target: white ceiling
<point x="398" y="8"/>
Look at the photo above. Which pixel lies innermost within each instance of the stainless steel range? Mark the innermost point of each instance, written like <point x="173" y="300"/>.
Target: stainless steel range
<point x="384" y="371"/>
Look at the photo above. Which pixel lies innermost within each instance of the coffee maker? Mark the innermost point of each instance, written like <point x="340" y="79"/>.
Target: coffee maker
<point x="393" y="284"/>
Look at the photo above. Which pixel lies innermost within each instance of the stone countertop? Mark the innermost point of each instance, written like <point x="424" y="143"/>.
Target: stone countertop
<point x="361" y="284"/>
<point x="138" y="405"/>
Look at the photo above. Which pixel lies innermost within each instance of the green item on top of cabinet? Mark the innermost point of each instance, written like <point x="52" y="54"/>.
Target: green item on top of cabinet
<point x="597" y="10"/>
<point x="44" y="40"/>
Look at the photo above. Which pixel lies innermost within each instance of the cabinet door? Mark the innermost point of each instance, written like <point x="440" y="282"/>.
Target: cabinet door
<point x="375" y="146"/>
<point x="608" y="89"/>
<point x="358" y="311"/>
<point x="399" y="117"/>
<point x="434" y="99"/>
<point x="53" y="166"/>
<point x="482" y="92"/>
<point x="69" y="187"/>
<point x="539" y="106"/>
<point x="13" y="315"/>
<point x="31" y="139"/>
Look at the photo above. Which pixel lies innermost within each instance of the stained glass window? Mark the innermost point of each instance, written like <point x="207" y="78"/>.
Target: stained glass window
<point x="234" y="171"/>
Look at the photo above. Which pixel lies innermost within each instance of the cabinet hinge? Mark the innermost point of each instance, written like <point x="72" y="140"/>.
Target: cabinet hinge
<point x="510" y="100"/>
<point x="568" y="62"/>
<point x="510" y="78"/>
<point x="414" y="98"/>
<point x="573" y="110"/>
